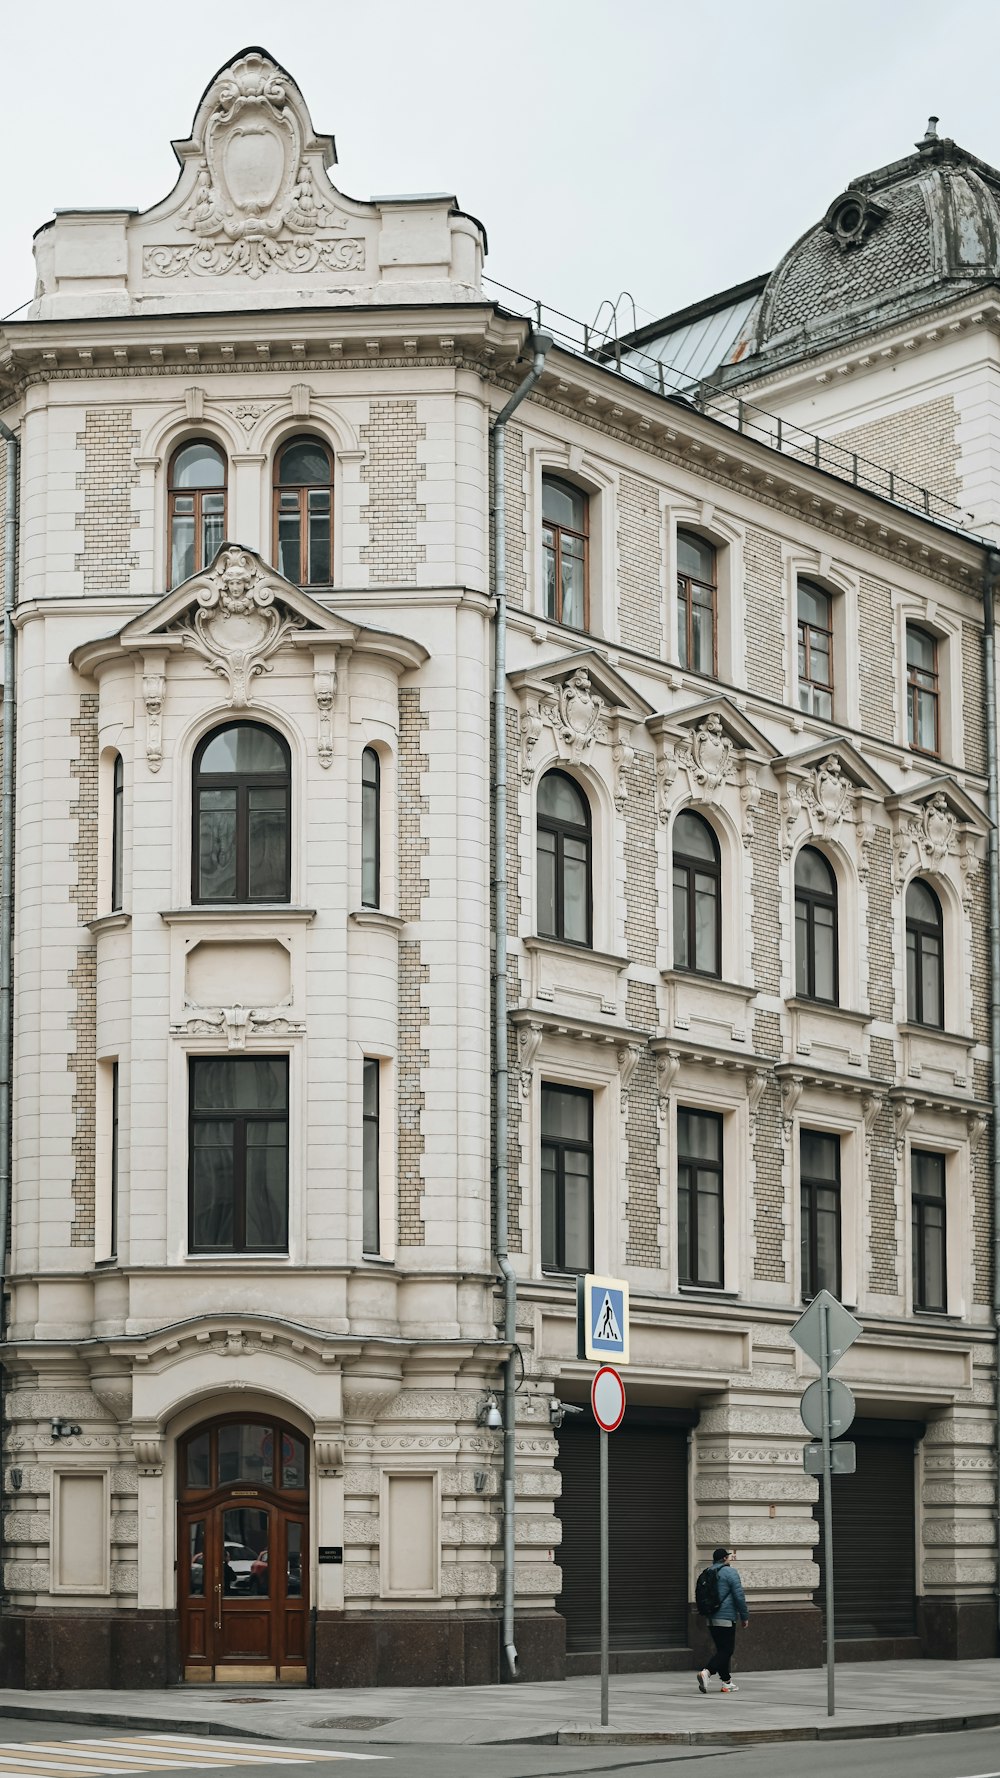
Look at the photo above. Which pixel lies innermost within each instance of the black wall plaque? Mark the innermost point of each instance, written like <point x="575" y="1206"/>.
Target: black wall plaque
<point x="331" y="1552"/>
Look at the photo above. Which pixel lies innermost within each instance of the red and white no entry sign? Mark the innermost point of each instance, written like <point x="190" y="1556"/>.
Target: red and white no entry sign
<point x="607" y="1398"/>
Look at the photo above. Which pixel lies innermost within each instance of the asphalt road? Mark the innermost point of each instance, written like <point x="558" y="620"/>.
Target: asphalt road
<point x="960" y="1755"/>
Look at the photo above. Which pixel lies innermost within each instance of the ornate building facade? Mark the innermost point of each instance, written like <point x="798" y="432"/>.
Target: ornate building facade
<point x="254" y="1330"/>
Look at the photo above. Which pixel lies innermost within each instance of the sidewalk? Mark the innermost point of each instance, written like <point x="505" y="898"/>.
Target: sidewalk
<point x="884" y="1698"/>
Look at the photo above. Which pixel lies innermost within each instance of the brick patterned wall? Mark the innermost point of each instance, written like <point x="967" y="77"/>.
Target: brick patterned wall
<point x="878" y="665"/>
<point x="514" y="1107"/>
<point x="972" y="698"/>
<point x="768" y="1154"/>
<point x="513" y="827"/>
<point x="764" y="613"/>
<point x="642" y="1179"/>
<point x="391" y="472"/>
<point x="640" y="565"/>
<point x="883" y="1253"/>
<point x="881" y="959"/>
<point x="109" y="446"/>
<point x="3" y="496"/>
<point x="765" y="858"/>
<point x="640" y="861"/>
<point x="982" y="1202"/>
<point x="919" y="443"/>
<point x="413" y="972"/>
<point x="82" y="1061"/>
<point x="514" y="468"/>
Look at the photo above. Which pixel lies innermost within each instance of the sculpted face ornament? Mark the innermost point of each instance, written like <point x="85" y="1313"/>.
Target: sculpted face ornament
<point x="238" y="623"/>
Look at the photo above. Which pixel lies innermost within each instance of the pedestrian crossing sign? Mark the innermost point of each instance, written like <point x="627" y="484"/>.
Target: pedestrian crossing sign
<point x="602" y="1318"/>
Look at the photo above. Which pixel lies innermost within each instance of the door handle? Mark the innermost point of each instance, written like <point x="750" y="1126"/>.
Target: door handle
<point x="218" y="1604"/>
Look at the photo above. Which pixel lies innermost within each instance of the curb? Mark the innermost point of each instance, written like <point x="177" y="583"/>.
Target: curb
<point x="122" y="1719"/>
<point x="854" y="1731"/>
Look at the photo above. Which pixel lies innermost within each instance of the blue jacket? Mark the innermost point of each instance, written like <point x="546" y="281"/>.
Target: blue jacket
<point x="732" y="1599"/>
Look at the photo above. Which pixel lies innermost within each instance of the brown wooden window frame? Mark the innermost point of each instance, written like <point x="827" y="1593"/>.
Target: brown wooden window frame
<point x="303" y="490"/>
<point x="685" y="607"/>
<point x="810" y="1184"/>
<point x="918" y="692"/>
<point x="242" y="783"/>
<point x="807" y="630"/>
<point x="921" y="931"/>
<point x="555" y="549"/>
<point x="198" y="496"/>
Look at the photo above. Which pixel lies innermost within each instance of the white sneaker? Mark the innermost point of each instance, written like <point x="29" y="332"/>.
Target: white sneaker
<point x="730" y="1687"/>
<point x="703" y="1680"/>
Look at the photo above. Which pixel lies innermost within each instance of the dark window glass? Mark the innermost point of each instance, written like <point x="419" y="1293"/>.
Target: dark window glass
<point x="697" y="896"/>
<point x="303" y="512"/>
<point x="815" y="927"/>
<point x="196" y="508"/>
<point x="371" y="785"/>
<point x="246" y="1453"/>
<point x="114" y="1160"/>
<point x="924" y="956"/>
<point x="370" y="1157"/>
<point x="238" y="1154"/>
<point x="567" y="1179"/>
<point x="565" y="546"/>
<point x="928" y="1214"/>
<point x="117" y="834"/>
<point x="699" y="1197"/>
<point x="242" y="816"/>
<point x="198" y="1474"/>
<point x="815" y="611"/>
<point x="819" y="1185"/>
<point x="922" y="691"/>
<point x="563" y="853"/>
<point x="697" y="592"/>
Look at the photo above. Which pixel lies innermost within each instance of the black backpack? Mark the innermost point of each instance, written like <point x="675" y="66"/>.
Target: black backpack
<point x="707" y="1592"/>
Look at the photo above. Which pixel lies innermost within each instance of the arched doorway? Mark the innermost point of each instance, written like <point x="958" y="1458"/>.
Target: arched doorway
<point x="243" y="1550"/>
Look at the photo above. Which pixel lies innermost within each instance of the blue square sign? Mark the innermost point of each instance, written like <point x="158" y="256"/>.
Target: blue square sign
<point x="602" y="1318"/>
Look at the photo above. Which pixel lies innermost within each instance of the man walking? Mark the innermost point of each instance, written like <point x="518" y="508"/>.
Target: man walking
<point x="730" y="1608"/>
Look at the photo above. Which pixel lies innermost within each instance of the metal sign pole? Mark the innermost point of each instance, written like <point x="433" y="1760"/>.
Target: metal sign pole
<point x="605" y="1581"/>
<point x="824" y="1371"/>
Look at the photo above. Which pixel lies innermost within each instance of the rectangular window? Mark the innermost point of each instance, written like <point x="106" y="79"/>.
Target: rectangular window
<point x="928" y="1222"/>
<point x="819" y="1185"/>
<point x="699" y="1197"/>
<point x="113" y="1254"/>
<point x="117" y="835"/>
<point x="238" y="1149"/>
<point x="567" y="1179"/>
<point x="922" y="691"/>
<point x="815" y="622"/>
<point x="370" y="1157"/>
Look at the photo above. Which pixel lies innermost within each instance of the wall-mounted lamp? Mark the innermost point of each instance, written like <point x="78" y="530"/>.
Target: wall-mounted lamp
<point x="16" y="1478"/>
<point x="63" y="1428"/>
<point x="489" y="1414"/>
<point x="482" y="1480"/>
<point x="559" y="1409"/>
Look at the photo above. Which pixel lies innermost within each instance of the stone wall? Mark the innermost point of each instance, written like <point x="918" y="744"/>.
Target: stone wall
<point x="918" y="442"/>
<point x="392" y="473"/>
<point x="640" y="565"/>
<point x="413" y="972"/>
<point x="877" y="658"/>
<point x="109" y="446"/>
<point x="764" y="613"/>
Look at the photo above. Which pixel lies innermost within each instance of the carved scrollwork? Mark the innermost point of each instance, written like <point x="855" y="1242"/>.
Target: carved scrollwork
<point x="238" y="1023"/>
<point x="827" y="797"/>
<point x="238" y="623"/>
<point x="154" y="690"/>
<point x="529" y="1038"/>
<point x="668" y="1064"/>
<point x="578" y="717"/>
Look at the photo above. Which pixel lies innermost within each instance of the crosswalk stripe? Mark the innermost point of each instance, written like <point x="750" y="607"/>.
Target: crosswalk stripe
<point x="95" y="1756"/>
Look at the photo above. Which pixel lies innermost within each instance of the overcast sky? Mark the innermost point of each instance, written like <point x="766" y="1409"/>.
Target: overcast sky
<point x="664" y="147"/>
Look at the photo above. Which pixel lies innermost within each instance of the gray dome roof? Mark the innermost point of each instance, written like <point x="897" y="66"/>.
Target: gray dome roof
<point x="895" y="242"/>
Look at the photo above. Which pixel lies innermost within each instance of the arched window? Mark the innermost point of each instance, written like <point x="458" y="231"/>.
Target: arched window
<point x="117" y="834"/>
<point x="242" y="816"/>
<point x="697" y="590"/>
<point x="924" y="951"/>
<point x="565" y="546"/>
<point x="815" y="927"/>
<point x="196" y="508"/>
<point x="371" y="790"/>
<point x="815" y="613"/>
<point x="564" y="893"/>
<point x="923" y="691"/>
<point x="303" y="512"/>
<point x="697" y="897"/>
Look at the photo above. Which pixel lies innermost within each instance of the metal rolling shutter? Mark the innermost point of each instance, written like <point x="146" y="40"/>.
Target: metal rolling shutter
<point x="647" y="1476"/>
<point x="874" y="1535"/>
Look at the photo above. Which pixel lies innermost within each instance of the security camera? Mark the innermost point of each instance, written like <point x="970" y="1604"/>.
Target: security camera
<point x="559" y="1409"/>
<point x="63" y="1428"/>
<point x="489" y="1414"/>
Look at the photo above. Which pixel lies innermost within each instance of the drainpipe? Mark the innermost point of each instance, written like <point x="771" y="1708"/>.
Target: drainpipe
<point x="990" y="582"/>
<point x="540" y="344"/>
<point x="7" y="885"/>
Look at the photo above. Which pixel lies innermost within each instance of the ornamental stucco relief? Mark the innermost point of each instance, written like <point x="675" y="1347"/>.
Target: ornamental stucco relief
<point x="237" y="623"/>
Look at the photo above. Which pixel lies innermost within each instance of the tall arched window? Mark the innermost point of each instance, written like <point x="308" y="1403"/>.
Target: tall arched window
<point x="371" y="789"/>
<point x="697" y="897"/>
<point x="242" y="816"/>
<point x="117" y="834"/>
<point x="923" y="691"/>
<point x="303" y="512"/>
<point x="815" y="927"/>
<point x="924" y="950"/>
<point x="697" y="591"/>
<point x="815" y="614"/>
<point x="565" y="547"/>
<point x="196" y="508"/>
<point x="564" y="891"/>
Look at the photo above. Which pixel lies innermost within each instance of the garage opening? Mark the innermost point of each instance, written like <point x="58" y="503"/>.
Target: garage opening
<point x="874" y="1539"/>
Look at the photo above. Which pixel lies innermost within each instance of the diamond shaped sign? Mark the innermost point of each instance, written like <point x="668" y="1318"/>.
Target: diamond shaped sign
<point x="843" y="1329"/>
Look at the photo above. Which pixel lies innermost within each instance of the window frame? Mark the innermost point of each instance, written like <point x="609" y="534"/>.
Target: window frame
<point x="115" y="1169"/>
<point x="561" y="830"/>
<point x="687" y="1264"/>
<point x="243" y="783"/>
<point x="371" y="825"/>
<point x="197" y="494"/>
<point x="303" y="489"/>
<point x="117" y="834"/>
<point x="809" y="1185"/>
<point x="563" y="1145"/>
<point x="371" y="1068"/>
<point x="811" y="899"/>
<point x="555" y="549"/>
<point x="805" y="631"/>
<point x="691" y="866"/>
<point x="921" y="930"/>
<point x="239" y="1153"/>
<point x="916" y="693"/>
<point x="920" y="1202"/>
<point x="685" y="605"/>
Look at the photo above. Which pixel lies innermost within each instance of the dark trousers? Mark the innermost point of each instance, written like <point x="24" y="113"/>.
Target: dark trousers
<point x="724" y="1637"/>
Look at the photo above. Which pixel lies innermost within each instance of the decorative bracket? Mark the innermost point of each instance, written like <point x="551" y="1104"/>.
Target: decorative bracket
<point x="325" y="688"/>
<point x="903" y="1110"/>
<point x="148" y="1448"/>
<point x="628" y="1060"/>
<point x="529" y="1038"/>
<point x="791" y="1093"/>
<point x="757" y="1081"/>
<point x="154" y="690"/>
<point x="667" y="1069"/>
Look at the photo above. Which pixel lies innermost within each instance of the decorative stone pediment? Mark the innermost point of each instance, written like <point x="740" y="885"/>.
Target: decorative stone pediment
<point x="584" y="703"/>
<point x="934" y="821"/>
<point x="828" y="788"/>
<point x="711" y="744"/>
